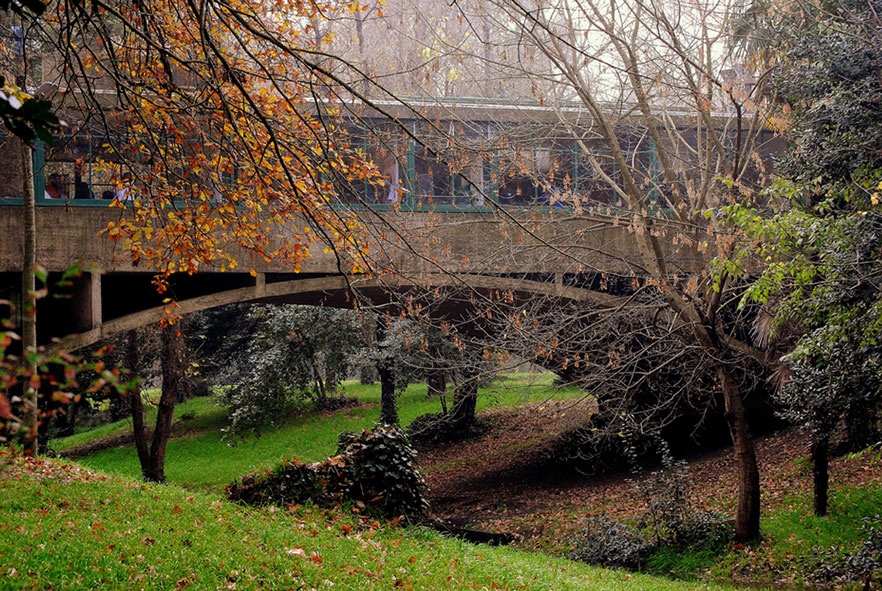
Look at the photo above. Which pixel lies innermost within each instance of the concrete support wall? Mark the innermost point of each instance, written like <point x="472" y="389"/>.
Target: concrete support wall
<point x="407" y="249"/>
<point x="87" y="302"/>
<point x="409" y="243"/>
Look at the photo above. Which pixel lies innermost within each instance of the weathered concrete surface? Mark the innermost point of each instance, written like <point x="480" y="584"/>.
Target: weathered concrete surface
<point x="512" y="242"/>
<point x="520" y="252"/>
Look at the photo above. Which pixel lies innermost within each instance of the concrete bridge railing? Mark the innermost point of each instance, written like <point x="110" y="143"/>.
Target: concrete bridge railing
<point x="516" y="250"/>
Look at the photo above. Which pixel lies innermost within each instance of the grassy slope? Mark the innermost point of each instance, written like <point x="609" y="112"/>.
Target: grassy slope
<point x="61" y="529"/>
<point x="202" y="460"/>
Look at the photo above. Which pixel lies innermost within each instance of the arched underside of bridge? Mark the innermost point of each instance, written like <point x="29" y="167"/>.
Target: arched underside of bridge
<point x="348" y="292"/>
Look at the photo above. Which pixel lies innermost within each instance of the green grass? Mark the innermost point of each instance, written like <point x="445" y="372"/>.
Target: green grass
<point x="61" y="533"/>
<point x="206" y="415"/>
<point x="203" y="463"/>
<point x="794" y="526"/>
<point x="203" y="460"/>
<point x="792" y="541"/>
<point x="689" y="563"/>
<point x="793" y="538"/>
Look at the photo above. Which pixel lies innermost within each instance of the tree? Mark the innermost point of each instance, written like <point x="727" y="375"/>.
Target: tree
<point x="297" y="353"/>
<point x="151" y="446"/>
<point x="828" y="81"/>
<point x="57" y="377"/>
<point x="651" y="381"/>
<point x="217" y="338"/>
<point x="29" y="118"/>
<point x="215" y="142"/>
<point x="821" y="285"/>
<point x="822" y="289"/>
<point x="216" y="137"/>
<point x="418" y="48"/>
<point x="386" y="371"/>
<point x="414" y="352"/>
<point x="672" y="134"/>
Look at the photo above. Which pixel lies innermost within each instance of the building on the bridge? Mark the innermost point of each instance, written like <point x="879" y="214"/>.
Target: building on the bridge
<point x="457" y="153"/>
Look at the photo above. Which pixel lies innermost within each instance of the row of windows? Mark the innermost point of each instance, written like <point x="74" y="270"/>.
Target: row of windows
<point x="542" y="171"/>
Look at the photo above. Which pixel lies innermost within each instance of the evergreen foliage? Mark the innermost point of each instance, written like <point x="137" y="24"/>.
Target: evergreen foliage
<point x="376" y="468"/>
<point x="296" y="354"/>
<point x="821" y="251"/>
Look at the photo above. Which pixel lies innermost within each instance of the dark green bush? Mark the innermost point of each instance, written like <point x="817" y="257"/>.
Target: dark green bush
<point x="670" y="520"/>
<point x="860" y="566"/>
<point x="671" y="517"/>
<point x="292" y="481"/>
<point x="375" y="467"/>
<point x="606" y="542"/>
<point x="381" y="472"/>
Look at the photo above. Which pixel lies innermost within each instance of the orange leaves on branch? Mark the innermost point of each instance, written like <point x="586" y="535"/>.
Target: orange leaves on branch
<point x="220" y="151"/>
<point x="53" y="376"/>
<point x="5" y="409"/>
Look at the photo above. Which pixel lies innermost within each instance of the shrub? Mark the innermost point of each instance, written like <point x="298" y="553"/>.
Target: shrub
<point x="376" y="467"/>
<point x="855" y="567"/>
<point x="294" y="355"/>
<point x="381" y="472"/>
<point x="607" y="444"/>
<point x="670" y="520"/>
<point x="606" y="542"/>
<point x="291" y="481"/>
<point x="671" y="516"/>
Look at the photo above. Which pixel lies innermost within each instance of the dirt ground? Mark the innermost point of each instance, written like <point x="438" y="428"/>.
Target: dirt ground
<point x="501" y="481"/>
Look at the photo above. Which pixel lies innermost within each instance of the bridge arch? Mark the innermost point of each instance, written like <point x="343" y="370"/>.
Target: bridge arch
<point x="335" y="291"/>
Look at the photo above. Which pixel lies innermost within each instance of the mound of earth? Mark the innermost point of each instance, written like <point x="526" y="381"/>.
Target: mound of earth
<point x="502" y="481"/>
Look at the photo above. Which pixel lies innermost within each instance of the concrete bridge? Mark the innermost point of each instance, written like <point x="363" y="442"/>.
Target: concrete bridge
<point x="519" y="252"/>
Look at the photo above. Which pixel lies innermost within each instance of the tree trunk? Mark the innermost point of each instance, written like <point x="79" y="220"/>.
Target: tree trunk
<point x="152" y="458"/>
<point x="437" y="383"/>
<point x="437" y="386"/>
<point x="820" y="472"/>
<point x="321" y="390"/>
<point x="465" y="402"/>
<point x="31" y="412"/>
<point x="136" y="404"/>
<point x="388" y="405"/>
<point x="172" y="382"/>
<point x="747" y="515"/>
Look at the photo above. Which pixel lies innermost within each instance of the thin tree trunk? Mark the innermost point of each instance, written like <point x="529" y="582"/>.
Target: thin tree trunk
<point x="136" y="404"/>
<point x="437" y="386"/>
<point x="321" y="393"/>
<point x="820" y="472"/>
<point x="31" y="411"/>
<point x="747" y="515"/>
<point x="388" y="405"/>
<point x="152" y="458"/>
<point x="172" y="382"/>
<point x="437" y="383"/>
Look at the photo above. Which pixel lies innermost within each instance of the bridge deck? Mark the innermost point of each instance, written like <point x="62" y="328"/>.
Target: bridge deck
<point x="522" y="249"/>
